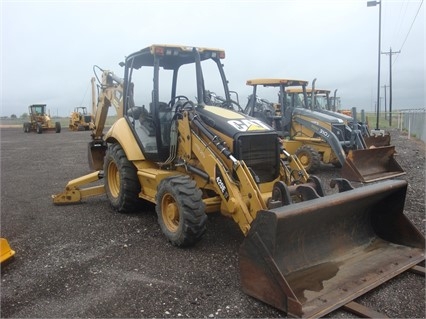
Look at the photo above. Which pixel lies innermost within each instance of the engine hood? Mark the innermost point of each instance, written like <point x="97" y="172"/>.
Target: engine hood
<point x="230" y="122"/>
<point x="336" y="114"/>
<point x="317" y="115"/>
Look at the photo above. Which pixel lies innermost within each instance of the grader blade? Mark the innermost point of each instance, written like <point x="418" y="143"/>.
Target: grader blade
<point x="370" y="165"/>
<point x="310" y="258"/>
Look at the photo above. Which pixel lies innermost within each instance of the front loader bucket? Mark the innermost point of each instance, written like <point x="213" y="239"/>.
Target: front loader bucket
<point x="377" y="140"/>
<point x="310" y="258"/>
<point x="370" y="165"/>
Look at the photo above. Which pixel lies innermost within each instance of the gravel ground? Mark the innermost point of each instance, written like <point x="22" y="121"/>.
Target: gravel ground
<point x="88" y="261"/>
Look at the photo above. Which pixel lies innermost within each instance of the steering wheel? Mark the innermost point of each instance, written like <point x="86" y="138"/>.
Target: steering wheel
<point x="176" y="99"/>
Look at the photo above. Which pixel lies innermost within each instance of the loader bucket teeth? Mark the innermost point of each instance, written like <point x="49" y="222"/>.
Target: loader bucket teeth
<point x="370" y="165"/>
<point x="312" y="257"/>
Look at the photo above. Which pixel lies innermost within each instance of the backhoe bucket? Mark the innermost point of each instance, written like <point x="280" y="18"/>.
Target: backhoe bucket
<point x="370" y="165"/>
<point x="96" y="153"/>
<point x="5" y="251"/>
<point x="310" y="258"/>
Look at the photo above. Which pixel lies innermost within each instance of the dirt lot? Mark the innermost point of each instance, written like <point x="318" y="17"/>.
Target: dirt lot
<point x="88" y="261"/>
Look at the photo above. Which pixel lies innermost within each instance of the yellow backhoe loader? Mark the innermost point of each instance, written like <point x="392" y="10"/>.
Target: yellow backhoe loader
<point x="320" y="102"/>
<point x="316" y="137"/>
<point x="190" y="158"/>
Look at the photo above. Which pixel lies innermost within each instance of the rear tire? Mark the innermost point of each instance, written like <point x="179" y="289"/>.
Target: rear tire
<point x="181" y="211"/>
<point x="121" y="181"/>
<point x="309" y="158"/>
<point x="58" y="127"/>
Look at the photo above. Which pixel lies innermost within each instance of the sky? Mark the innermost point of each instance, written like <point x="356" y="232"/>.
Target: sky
<point x="48" y="48"/>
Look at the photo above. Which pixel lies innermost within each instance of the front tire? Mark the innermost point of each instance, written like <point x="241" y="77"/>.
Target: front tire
<point x="309" y="158"/>
<point x="181" y="210"/>
<point x="39" y="128"/>
<point x="121" y="181"/>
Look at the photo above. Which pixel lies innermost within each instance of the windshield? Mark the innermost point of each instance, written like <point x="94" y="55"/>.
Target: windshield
<point x="186" y="83"/>
<point x="321" y="102"/>
<point x="37" y="109"/>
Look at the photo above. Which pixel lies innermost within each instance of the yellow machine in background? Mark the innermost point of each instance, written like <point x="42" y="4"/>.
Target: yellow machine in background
<point x="320" y="101"/>
<point x="315" y="137"/>
<point x="5" y="251"/>
<point x="40" y="121"/>
<point x="80" y="119"/>
<point x="191" y="158"/>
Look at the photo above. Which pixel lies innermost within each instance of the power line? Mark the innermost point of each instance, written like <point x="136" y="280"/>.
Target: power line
<point x="401" y="18"/>
<point x="406" y="37"/>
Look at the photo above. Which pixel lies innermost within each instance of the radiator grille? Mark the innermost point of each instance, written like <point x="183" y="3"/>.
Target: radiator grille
<point x="261" y="154"/>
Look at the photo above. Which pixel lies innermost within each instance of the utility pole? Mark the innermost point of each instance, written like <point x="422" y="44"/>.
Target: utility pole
<point x="385" y="86"/>
<point x="390" y="81"/>
<point x="372" y="4"/>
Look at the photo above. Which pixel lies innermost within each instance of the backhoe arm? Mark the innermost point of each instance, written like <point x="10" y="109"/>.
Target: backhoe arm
<point x="111" y="94"/>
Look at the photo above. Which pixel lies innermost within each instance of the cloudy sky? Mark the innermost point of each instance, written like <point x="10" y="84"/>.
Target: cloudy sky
<point x="48" y="48"/>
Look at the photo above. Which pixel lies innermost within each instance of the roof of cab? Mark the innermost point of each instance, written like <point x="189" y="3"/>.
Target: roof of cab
<point x="308" y="90"/>
<point x="276" y="82"/>
<point x="173" y="56"/>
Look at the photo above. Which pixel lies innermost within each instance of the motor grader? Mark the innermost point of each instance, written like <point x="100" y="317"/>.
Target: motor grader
<point x="315" y="137"/>
<point x="80" y="119"/>
<point x="40" y="121"/>
<point x="190" y="158"/>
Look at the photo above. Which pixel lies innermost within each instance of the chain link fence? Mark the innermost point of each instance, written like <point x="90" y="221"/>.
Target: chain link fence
<point x="413" y="121"/>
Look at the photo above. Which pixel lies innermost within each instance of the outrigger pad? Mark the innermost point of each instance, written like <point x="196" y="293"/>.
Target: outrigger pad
<point x="5" y="251"/>
<point x="310" y="258"/>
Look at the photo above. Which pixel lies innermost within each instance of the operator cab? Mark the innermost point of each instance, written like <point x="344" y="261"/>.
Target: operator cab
<point x="278" y="115"/>
<point x="37" y="109"/>
<point x="159" y="80"/>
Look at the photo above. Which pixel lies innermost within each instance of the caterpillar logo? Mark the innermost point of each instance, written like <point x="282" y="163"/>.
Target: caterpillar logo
<point x="221" y="183"/>
<point x="249" y="125"/>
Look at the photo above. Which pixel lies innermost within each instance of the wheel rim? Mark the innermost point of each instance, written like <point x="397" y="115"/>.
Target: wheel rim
<point x="304" y="159"/>
<point x="113" y="179"/>
<point x="170" y="212"/>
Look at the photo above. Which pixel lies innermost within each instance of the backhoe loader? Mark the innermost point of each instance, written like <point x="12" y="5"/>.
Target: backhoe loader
<point x="316" y="137"/>
<point x="190" y="158"/>
<point x="320" y="102"/>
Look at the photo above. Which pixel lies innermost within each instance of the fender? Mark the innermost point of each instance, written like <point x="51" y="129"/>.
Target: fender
<point x="121" y="132"/>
